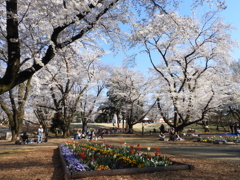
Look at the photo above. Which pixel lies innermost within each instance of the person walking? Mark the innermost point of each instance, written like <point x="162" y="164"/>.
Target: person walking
<point x="40" y="134"/>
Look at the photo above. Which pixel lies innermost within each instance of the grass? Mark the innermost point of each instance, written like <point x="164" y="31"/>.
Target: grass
<point x="137" y="128"/>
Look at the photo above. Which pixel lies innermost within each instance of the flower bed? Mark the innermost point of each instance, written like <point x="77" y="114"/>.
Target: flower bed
<point x="96" y="159"/>
<point x="222" y="139"/>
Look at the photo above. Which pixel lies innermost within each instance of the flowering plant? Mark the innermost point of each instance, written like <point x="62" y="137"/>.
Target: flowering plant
<point x="221" y="138"/>
<point x="72" y="162"/>
<point x="101" y="156"/>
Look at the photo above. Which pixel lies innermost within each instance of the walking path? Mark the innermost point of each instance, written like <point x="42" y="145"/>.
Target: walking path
<point x="214" y="151"/>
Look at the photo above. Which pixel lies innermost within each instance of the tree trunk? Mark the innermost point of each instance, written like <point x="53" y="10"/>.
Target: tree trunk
<point x="84" y="124"/>
<point x="7" y="82"/>
<point x="118" y="121"/>
<point x="130" y="130"/>
<point x="16" y="127"/>
<point x="66" y="131"/>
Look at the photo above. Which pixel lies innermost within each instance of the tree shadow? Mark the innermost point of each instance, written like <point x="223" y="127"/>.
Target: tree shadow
<point x="58" y="172"/>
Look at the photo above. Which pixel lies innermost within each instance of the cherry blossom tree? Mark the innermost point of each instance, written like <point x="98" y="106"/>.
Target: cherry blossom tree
<point x="44" y="116"/>
<point x="33" y="31"/>
<point x="129" y="93"/>
<point x="190" y="59"/>
<point x="67" y="82"/>
<point x="13" y="104"/>
<point x="93" y="96"/>
<point x="36" y="30"/>
<point x="232" y="109"/>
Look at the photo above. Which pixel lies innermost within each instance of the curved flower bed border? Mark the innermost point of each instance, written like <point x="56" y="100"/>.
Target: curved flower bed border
<point x="81" y="173"/>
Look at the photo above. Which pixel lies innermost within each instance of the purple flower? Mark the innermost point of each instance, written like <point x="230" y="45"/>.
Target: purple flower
<point x="73" y="163"/>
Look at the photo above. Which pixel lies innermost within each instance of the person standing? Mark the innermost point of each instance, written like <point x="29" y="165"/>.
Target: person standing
<point x="40" y="134"/>
<point x="162" y="129"/>
<point x="231" y="126"/>
<point x="236" y="129"/>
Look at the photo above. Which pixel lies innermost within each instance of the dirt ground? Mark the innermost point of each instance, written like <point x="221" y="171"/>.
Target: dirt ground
<point x="41" y="162"/>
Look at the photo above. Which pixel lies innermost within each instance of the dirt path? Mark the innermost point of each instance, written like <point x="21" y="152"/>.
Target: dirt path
<point x="221" y="152"/>
<point x="41" y="161"/>
<point x="217" y="152"/>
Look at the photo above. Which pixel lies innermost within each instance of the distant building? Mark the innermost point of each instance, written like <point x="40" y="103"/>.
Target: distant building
<point x="159" y="121"/>
<point x="147" y="120"/>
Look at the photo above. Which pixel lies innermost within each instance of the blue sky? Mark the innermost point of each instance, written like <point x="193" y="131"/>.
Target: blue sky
<point x="230" y="15"/>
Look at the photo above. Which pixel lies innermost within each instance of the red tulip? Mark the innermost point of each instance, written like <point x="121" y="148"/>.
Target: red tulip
<point x="82" y="155"/>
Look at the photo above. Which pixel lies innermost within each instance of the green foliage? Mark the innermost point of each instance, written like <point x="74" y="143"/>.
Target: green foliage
<point x="56" y="123"/>
<point x="101" y="156"/>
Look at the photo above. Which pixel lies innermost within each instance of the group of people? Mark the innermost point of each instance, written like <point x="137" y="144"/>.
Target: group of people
<point x="89" y="134"/>
<point x="173" y="135"/>
<point x="234" y="128"/>
<point x="25" y="138"/>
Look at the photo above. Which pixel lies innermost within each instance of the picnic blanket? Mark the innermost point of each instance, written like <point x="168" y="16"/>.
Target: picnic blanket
<point x="228" y="134"/>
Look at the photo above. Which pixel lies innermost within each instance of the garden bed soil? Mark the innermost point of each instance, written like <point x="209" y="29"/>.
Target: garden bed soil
<point x="42" y="162"/>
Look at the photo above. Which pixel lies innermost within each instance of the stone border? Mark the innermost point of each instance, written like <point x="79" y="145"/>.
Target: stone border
<point x="114" y="172"/>
<point x="66" y="172"/>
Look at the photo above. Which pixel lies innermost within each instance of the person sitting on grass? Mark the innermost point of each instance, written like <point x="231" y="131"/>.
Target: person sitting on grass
<point x="24" y="138"/>
<point x="177" y="137"/>
<point x="173" y="135"/>
<point x="161" y="136"/>
<point x="100" y="133"/>
<point x="76" y="135"/>
<point x="206" y="128"/>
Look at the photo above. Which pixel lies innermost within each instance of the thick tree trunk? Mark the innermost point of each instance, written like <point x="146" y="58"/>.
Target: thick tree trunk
<point x="66" y="131"/>
<point x="8" y="80"/>
<point x="16" y="127"/>
<point x="130" y="128"/>
<point x="16" y="112"/>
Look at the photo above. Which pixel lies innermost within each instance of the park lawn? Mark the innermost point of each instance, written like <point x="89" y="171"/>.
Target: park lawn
<point x="41" y="161"/>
